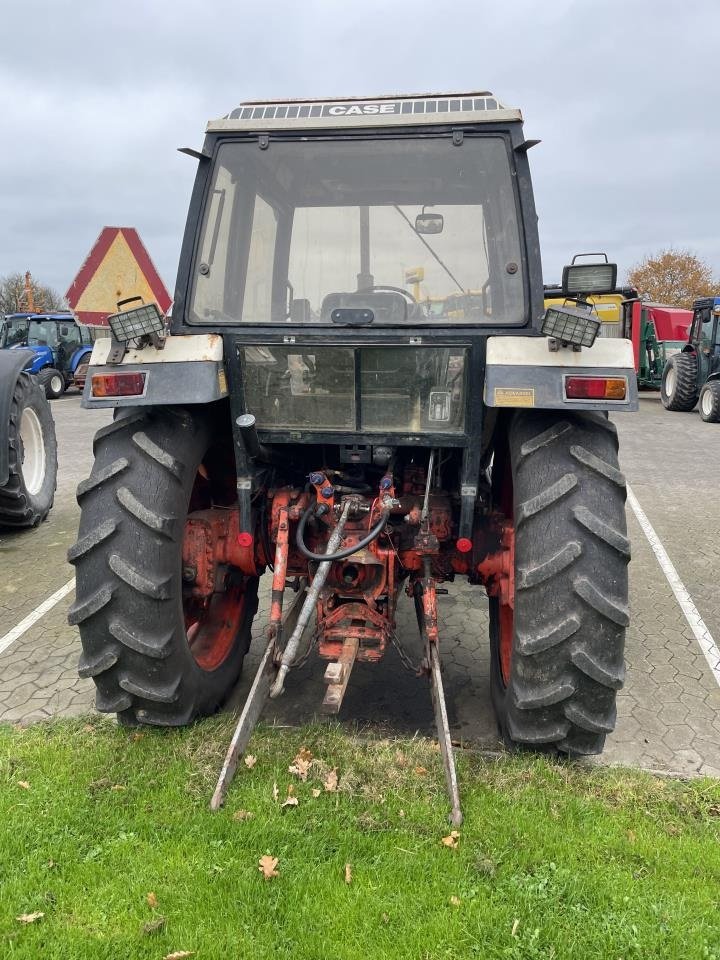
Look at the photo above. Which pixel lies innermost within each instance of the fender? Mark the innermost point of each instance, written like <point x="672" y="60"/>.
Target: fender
<point x="12" y="363"/>
<point x="82" y="353"/>
<point x="524" y="372"/>
<point x="188" y="369"/>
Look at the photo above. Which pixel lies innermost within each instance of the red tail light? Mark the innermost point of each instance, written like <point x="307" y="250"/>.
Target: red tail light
<point x="595" y="388"/>
<point x="117" y="384"/>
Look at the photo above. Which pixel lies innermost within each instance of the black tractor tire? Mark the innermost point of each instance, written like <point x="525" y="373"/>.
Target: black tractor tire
<point x="52" y="382"/>
<point x="128" y="567"/>
<point x="571" y="584"/>
<point x="710" y="402"/>
<point x="27" y="497"/>
<point x="678" y="388"/>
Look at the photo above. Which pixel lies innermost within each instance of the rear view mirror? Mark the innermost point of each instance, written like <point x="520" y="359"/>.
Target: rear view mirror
<point x="429" y="223"/>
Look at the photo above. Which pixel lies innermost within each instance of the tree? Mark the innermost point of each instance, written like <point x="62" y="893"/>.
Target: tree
<point x="676" y="277"/>
<point x="14" y="295"/>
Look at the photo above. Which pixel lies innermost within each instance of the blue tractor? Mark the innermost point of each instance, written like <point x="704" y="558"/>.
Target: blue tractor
<point x="61" y="348"/>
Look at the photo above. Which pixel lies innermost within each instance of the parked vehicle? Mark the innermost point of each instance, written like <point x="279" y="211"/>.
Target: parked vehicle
<point x="694" y="374"/>
<point x="307" y="415"/>
<point x="60" y="348"/>
<point x="28" y="448"/>
<point x="658" y="331"/>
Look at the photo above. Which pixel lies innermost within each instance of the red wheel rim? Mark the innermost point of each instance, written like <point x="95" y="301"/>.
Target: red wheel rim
<point x="505" y="637"/>
<point x="505" y="617"/>
<point x="213" y="623"/>
<point x="212" y="627"/>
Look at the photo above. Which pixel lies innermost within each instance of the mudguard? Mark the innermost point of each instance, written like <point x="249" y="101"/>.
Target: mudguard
<point x="83" y="353"/>
<point x="12" y="362"/>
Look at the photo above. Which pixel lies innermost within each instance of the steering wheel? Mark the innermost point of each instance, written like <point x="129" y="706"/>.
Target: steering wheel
<point x="390" y="287"/>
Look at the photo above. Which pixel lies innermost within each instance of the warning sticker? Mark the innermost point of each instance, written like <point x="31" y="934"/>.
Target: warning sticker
<point x="514" y="397"/>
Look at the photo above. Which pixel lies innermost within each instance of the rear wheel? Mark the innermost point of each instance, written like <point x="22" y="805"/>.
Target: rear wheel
<point x="710" y="402"/>
<point x="155" y="654"/>
<point x="52" y="381"/>
<point x="26" y="498"/>
<point x="557" y="657"/>
<point x="678" y="390"/>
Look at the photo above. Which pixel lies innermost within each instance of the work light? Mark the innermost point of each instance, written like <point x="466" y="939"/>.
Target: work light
<point x="568" y="325"/>
<point x="138" y="322"/>
<point x="589" y="278"/>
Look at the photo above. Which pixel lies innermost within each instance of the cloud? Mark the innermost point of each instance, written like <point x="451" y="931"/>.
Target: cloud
<point x="95" y="98"/>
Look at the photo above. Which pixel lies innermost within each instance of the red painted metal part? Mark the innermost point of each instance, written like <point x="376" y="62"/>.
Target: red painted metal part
<point x="213" y="624"/>
<point x="354" y="619"/>
<point x="497" y="572"/>
<point x="211" y="540"/>
<point x="279" y="572"/>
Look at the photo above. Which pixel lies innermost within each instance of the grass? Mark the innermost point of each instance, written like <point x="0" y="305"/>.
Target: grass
<point x="553" y="861"/>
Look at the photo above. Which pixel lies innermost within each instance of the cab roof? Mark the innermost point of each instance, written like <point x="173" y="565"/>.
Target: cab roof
<point x="385" y="110"/>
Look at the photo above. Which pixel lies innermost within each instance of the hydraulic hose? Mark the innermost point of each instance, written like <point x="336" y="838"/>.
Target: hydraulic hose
<point x="341" y="554"/>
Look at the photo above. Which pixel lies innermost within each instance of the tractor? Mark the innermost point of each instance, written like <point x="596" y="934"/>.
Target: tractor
<point x="60" y="348"/>
<point x="306" y="416"/>
<point x="28" y="448"/>
<point x="693" y="374"/>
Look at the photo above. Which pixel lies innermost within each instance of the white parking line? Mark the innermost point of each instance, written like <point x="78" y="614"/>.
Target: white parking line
<point x="696" y="622"/>
<point x="37" y="613"/>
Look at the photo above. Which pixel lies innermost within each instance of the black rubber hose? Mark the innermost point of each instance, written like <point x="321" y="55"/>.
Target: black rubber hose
<point x="341" y="554"/>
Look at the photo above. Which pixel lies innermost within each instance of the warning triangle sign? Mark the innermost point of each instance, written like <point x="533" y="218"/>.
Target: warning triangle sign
<point x="118" y="266"/>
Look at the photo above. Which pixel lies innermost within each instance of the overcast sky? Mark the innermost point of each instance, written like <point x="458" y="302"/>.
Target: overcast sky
<point x="95" y="98"/>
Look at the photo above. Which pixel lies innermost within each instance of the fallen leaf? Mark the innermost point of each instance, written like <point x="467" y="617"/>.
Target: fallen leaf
<point x="117" y="786"/>
<point x="276" y="792"/>
<point x="421" y="771"/>
<point x="137" y="737"/>
<point x="316" y="792"/>
<point x="88" y="728"/>
<point x="331" y="781"/>
<point x="401" y="813"/>
<point x="30" y="917"/>
<point x="291" y="789"/>
<point x="304" y="754"/>
<point x="454" y="901"/>
<point x="250" y="761"/>
<point x="153" y="926"/>
<point x="516" y="924"/>
<point x="348" y="873"/>
<point x="152" y="900"/>
<point x="179" y="955"/>
<point x="385" y="918"/>
<point x="290" y="802"/>
<point x="299" y="768"/>
<point x="452" y="839"/>
<point x="267" y="865"/>
<point x="631" y="835"/>
<point x="242" y="815"/>
<point x="24" y="784"/>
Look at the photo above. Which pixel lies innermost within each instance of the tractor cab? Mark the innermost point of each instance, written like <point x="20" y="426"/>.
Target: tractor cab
<point x="705" y="335"/>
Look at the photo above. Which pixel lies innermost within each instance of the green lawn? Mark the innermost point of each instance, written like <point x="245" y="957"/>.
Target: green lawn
<point x="552" y="861"/>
